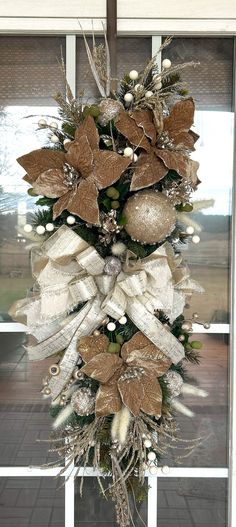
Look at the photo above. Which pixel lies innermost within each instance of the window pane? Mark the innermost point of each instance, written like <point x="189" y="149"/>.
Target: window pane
<point x="210" y="84"/>
<point x="30" y="72"/>
<point x="24" y="414"/>
<point x="211" y="81"/>
<point x="94" y="511"/>
<point x="192" y="502"/>
<point x="31" y="502"/>
<point x="133" y="53"/>
<point x="210" y="419"/>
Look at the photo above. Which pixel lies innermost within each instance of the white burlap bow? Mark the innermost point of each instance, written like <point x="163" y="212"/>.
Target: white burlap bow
<point x="69" y="272"/>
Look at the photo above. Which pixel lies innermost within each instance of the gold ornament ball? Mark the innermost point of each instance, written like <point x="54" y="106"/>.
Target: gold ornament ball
<point x="150" y="217"/>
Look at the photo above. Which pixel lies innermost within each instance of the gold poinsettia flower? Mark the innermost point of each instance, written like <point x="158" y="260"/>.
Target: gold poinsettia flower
<point x="131" y="379"/>
<point x="165" y="148"/>
<point x="75" y="177"/>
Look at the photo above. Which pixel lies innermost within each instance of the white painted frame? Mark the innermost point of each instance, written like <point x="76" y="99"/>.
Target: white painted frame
<point x="193" y="27"/>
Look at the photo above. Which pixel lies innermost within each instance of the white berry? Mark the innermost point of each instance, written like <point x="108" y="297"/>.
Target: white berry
<point x="118" y="248"/>
<point x="135" y="158"/>
<point x="153" y="470"/>
<point x="147" y="443"/>
<point x="54" y="139"/>
<point x="138" y="87"/>
<point x="165" y="469"/>
<point x="128" y="97"/>
<point x="151" y="456"/>
<point x="70" y="220"/>
<point x="40" y="229"/>
<point x="42" y="123"/>
<point x="53" y="125"/>
<point x="133" y="75"/>
<point x="50" y="227"/>
<point x="123" y="320"/>
<point x="190" y="230"/>
<point x="196" y="238"/>
<point x="28" y="227"/>
<point x="128" y="152"/>
<point x="66" y="141"/>
<point x="148" y="94"/>
<point x="166" y="64"/>
<point x="111" y="326"/>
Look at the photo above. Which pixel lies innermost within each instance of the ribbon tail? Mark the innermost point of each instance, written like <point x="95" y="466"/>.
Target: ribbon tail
<point x="154" y="330"/>
<point x="59" y="340"/>
<point x="87" y="323"/>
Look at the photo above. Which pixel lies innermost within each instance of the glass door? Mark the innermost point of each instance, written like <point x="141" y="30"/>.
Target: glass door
<point x="190" y="494"/>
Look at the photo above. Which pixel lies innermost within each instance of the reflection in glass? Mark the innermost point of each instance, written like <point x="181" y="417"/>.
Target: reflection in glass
<point x="191" y="502"/>
<point x="31" y="502"/>
<point x="18" y="136"/>
<point x="209" y="260"/>
<point x="210" y="419"/>
<point x="94" y="510"/>
<point x="24" y="414"/>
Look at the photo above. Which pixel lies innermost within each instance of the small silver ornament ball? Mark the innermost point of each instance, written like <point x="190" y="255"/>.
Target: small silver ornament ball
<point x="150" y="216"/>
<point x="83" y="401"/>
<point x="112" y="266"/>
<point x="174" y="382"/>
<point x="187" y="325"/>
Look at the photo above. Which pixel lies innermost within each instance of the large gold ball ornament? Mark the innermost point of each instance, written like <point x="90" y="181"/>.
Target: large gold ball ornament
<point x="150" y="217"/>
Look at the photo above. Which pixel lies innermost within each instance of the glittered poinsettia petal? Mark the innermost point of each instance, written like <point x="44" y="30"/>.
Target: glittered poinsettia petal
<point x="144" y="119"/>
<point x="83" y="202"/>
<point x="60" y="205"/>
<point x="80" y="156"/>
<point x="148" y="171"/>
<point x="128" y="127"/>
<point x="181" y="117"/>
<point x="174" y="160"/>
<point x="132" y="393"/>
<point x="141" y="352"/>
<point x="108" y="400"/>
<point x="89" y="347"/>
<point x="102" y="367"/>
<point x="185" y="139"/>
<point x="108" y="167"/>
<point x="39" y="161"/>
<point x="152" y="400"/>
<point x="88" y="128"/>
<point x="51" y="183"/>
